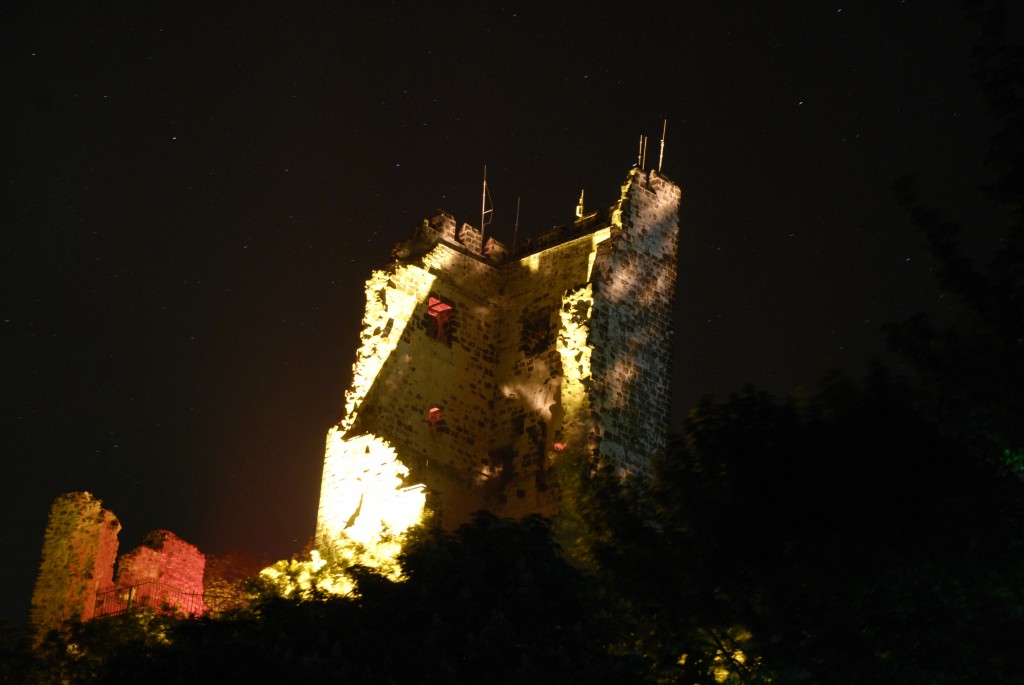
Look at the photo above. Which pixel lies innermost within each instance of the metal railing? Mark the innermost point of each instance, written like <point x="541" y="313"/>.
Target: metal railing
<point x="152" y="594"/>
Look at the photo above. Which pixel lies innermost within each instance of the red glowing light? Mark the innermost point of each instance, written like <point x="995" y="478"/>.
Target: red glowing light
<point x="439" y="316"/>
<point x="435" y="417"/>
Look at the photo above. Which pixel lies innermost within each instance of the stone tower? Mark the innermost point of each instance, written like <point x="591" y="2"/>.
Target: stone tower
<point x="480" y="366"/>
<point x="78" y="560"/>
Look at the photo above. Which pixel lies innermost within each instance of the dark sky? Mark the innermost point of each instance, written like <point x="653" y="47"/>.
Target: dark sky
<point x="193" y="194"/>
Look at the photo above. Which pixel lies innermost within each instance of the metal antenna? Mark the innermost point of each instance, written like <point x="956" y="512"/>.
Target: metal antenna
<point x="661" y="155"/>
<point x="484" y="212"/>
<point x="579" y="207"/>
<point x="515" y="230"/>
<point x="640" y="153"/>
<point x="643" y="154"/>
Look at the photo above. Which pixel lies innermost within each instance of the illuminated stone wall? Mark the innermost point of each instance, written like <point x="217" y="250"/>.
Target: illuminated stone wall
<point x="77" y="560"/>
<point x="370" y="491"/>
<point x="76" y="574"/>
<point x="532" y="421"/>
<point x="631" y="325"/>
<point x="480" y="370"/>
<point x="166" y="559"/>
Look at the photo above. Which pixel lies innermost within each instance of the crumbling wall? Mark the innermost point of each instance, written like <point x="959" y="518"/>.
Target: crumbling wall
<point x="164" y="573"/>
<point x="76" y="574"/>
<point x="79" y="548"/>
<point x="166" y="558"/>
<point x="367" y="501"/>
<point x="424" y="372"/>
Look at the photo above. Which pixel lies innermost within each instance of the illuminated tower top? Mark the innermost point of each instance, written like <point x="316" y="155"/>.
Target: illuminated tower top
<point x="482" y="366"/>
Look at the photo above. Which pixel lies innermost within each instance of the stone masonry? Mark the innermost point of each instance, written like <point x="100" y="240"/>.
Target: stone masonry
<point x="168" y="572"/>
<point x="481" y="366"/>
<point x="78" y="559"/>
<point x="76" y="576"/>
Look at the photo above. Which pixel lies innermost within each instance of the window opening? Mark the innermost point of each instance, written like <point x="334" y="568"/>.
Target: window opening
<point x="436" y="418"/>
<point x="439" y="319"/>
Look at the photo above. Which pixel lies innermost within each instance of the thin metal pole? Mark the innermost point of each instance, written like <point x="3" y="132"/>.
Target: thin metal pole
<point x="483" y="212"/>
<point x="515" y="231"/>
<point x="661" y="155"/>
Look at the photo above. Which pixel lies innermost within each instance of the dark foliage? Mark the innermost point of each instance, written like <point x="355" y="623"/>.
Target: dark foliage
<point x="17" y="660"/>
<point x="971" y="374"/>
<point x="82" y="652"/>
<point x="835" y="539"/>
<point x="493" y="602"/>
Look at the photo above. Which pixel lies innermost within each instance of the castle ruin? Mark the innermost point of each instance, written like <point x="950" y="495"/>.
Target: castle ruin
<point x="76" y="579"/>
<point x="78" y="560"/>
<point x="481" y="367"/>
<point x="481" y="370"/>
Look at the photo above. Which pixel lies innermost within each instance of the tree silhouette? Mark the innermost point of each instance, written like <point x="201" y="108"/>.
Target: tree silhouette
<point x="833" y="538"/>
<point x="971" y="374"/>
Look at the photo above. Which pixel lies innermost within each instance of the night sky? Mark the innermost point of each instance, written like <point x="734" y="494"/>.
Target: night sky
<point x="193" y="195"/>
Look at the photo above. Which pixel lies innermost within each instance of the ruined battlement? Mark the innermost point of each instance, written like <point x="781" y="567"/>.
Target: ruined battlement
<point x="479" y="369"/>
<point x="76" y="575"/>
<point x="79" y="549"/>
<point x="166" y="558"/>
